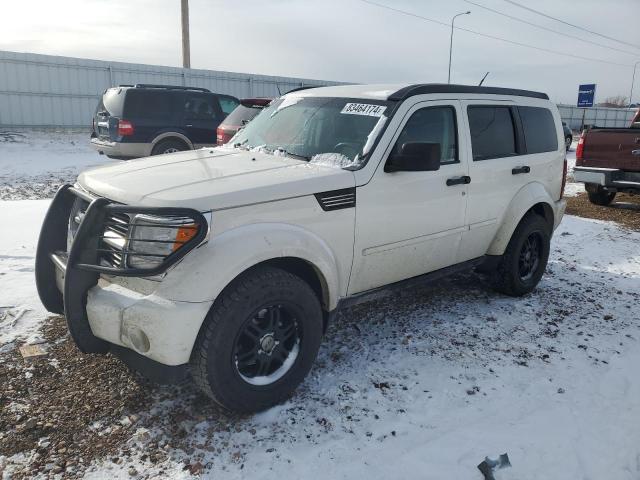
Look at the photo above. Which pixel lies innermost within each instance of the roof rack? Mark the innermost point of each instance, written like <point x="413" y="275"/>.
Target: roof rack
<point x="297" y="89"/>
<point x="169" y="87"/>
<point x="421" y="89"/>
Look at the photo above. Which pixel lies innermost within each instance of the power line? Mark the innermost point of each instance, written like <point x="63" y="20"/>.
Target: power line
<point x="550" y="29"/>
<point x="570" y="24"/>
<point x="486" y="35"/>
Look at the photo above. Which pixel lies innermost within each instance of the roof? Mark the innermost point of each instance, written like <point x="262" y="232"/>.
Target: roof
<point x="403" y="91"/>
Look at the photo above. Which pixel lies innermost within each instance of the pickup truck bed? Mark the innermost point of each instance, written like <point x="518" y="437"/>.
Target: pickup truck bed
<point x="608" y="161"/>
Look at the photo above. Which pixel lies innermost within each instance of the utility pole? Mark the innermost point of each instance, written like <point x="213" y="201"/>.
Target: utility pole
<point x="186" y="48"/>
<point x="633" y="79"/>
<point x="451" y="42"/>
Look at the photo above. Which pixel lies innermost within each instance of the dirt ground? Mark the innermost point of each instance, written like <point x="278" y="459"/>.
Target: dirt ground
<point x="625" y="209"/>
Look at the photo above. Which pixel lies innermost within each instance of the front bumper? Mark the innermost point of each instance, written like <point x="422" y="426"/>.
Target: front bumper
<point x="612" y="179"/>
<point x="101" y="314"/>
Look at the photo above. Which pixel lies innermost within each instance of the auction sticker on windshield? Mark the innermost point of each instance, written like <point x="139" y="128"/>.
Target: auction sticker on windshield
<point x="364" y="109"/>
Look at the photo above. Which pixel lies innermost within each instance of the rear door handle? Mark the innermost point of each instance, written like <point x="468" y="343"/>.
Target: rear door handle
<point x="518" y="170"/>
<point x="458" y="181"/>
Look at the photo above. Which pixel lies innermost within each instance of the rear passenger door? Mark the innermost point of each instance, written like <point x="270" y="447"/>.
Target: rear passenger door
<point x="503" y="160"/>
<point x="202" y="115"/>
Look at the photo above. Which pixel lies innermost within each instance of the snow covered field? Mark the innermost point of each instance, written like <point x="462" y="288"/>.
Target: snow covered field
<point x="424" y="384"/>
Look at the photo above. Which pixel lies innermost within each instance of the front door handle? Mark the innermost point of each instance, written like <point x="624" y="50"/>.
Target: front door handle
<point x="518" y="170"/>
<point x="458" y="180"/>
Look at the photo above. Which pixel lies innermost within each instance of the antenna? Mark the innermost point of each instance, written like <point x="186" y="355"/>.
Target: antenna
<point x="482" y="81"/>
<point x="278" y="87"/>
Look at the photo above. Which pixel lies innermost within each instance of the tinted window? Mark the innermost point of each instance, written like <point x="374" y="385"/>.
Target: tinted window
<point x="432" y="125"/>
<point x="241" y="116"/>
<point x="153" y="104"/>
<point x="539" y="130"/>
<point x="228" y="104"/>
<point x="492" y="132"/>
<point x="198" y="106"/>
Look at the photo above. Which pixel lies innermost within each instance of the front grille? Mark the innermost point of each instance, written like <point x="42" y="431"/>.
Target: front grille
<point x="114" y="238"/>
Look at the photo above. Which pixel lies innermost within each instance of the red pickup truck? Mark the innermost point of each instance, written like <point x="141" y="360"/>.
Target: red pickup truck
<point x="608" y="161"/>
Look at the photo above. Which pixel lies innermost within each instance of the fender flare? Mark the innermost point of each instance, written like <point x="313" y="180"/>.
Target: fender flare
<point x="164" y="135"/>
<point x="205" y="272"/>
<point x="527" y="197"/>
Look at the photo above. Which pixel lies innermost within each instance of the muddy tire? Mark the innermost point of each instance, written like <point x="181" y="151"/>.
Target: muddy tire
<point x="599" y="196"/>
<point x="525" y="259"/>
<point x="258" y="341"/>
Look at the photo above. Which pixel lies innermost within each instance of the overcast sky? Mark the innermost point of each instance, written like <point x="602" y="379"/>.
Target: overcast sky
<point x="345" y="40"/>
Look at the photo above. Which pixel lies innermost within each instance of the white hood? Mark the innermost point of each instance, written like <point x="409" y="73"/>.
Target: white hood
<point x="211" y="179"/>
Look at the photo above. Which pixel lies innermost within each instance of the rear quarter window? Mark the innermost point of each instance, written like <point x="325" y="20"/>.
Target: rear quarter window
<point x="539" y="129"/>
<point x="151" y="104"/>
<point x="493" y="133"/>
<point x="241" y="115"/>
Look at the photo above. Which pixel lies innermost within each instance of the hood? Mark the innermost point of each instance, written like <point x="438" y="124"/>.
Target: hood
<point x="211" y="179"/>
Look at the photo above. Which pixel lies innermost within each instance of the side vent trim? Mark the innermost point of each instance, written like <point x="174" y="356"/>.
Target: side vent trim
<point x="337" y="199"/>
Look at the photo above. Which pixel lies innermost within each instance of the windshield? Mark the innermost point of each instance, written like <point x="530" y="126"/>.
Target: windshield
<point x="333" y="131"/>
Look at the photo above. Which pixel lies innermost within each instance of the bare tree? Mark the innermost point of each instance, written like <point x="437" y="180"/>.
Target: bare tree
<point x="617" y="101"/>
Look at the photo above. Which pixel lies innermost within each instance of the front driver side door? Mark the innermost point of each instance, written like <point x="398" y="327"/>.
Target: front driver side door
<point x="411" y="223"/>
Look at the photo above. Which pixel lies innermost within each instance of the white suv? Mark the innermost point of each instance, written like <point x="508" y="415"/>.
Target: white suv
<point x="228" y="263"/>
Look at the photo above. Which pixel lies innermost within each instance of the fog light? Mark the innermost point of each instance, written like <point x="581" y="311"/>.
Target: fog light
<point x="138" y="339"/>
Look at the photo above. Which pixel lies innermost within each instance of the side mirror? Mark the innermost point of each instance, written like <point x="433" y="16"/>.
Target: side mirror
<point x="415" y="157"/>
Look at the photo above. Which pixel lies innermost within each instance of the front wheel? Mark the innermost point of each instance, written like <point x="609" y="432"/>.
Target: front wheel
<point x="259" y="340"/>
<point x="525" y="258"/>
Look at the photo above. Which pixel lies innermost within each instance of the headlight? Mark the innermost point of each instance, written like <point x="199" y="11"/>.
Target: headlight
<point x="154" y="238"/>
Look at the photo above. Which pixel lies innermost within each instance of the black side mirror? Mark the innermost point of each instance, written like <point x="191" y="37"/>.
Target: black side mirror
<point x="415" y="157"/>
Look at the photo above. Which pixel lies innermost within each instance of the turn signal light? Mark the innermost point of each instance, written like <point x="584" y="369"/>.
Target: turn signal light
<point x="185" y="233"/>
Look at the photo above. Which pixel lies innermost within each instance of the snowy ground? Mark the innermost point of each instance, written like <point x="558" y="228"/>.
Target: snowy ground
<point x="423" y="384"/>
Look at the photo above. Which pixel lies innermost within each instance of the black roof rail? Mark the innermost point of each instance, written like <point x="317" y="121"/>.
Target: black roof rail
<point x="297" y="89"/>
<point x="425" y="88"/>
<point x="170" y="87"/>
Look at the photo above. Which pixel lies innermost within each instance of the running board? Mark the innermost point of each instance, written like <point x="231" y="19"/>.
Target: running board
<point x="386" y="290"/>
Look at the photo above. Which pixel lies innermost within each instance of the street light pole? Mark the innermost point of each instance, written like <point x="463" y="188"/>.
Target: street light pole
<point x="451" y="42"/>
<point x="633" y="79"/>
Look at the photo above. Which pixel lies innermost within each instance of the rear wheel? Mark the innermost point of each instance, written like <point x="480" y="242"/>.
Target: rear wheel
<point x="567" y="142"/>
<point x="525" y="258"/>
<point x="259" y="340"/>
<point x="599" y="196"/>
<point x="169" y="146"/>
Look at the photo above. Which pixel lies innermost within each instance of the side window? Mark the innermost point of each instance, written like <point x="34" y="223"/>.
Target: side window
<point x="227" y="104"/>
<point x="539" y="129"/>
<point x="432" y="125"/>
<point x="493" y="133"/>
<point x="200" y="107"/>
<point x="151" y="104"/>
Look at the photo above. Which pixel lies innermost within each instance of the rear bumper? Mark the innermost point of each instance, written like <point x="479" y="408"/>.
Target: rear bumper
<point x="612" y="179"/>
<point x="121" y="150"/>
<point x="146" y="330"/>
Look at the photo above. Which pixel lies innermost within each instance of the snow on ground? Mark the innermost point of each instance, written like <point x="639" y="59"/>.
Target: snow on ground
<point x="572" y="189"/>
<point x="34" y="164"/>
<point x="428" y="382"/>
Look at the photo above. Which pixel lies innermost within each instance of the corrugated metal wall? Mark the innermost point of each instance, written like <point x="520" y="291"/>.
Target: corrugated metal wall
<point x="51" y="91"/>
<point x="599" y="116"/>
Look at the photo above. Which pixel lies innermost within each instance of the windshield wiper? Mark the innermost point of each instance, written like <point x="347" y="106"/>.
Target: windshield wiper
<point x="290" y="154"/>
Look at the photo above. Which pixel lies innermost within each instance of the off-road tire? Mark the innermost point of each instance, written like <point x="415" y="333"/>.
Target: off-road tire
<point x="212" y="362"/>
<point x="599" y="196"/>
<point x="506" y="278"/>
<point x="169" y="146"/>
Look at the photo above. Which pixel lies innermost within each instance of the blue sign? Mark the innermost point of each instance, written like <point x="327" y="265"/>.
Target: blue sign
<point x="586" y="94"/>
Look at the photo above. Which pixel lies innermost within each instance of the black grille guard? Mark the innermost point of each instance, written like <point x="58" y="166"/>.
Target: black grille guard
<point x="82" y="266"/>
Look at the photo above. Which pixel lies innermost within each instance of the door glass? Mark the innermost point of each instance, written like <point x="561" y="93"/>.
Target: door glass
<point x="492" y="132"/>
<point x="228" y="104"/>
<point x="200" y="107"/>
<point x="432" y="125"/>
